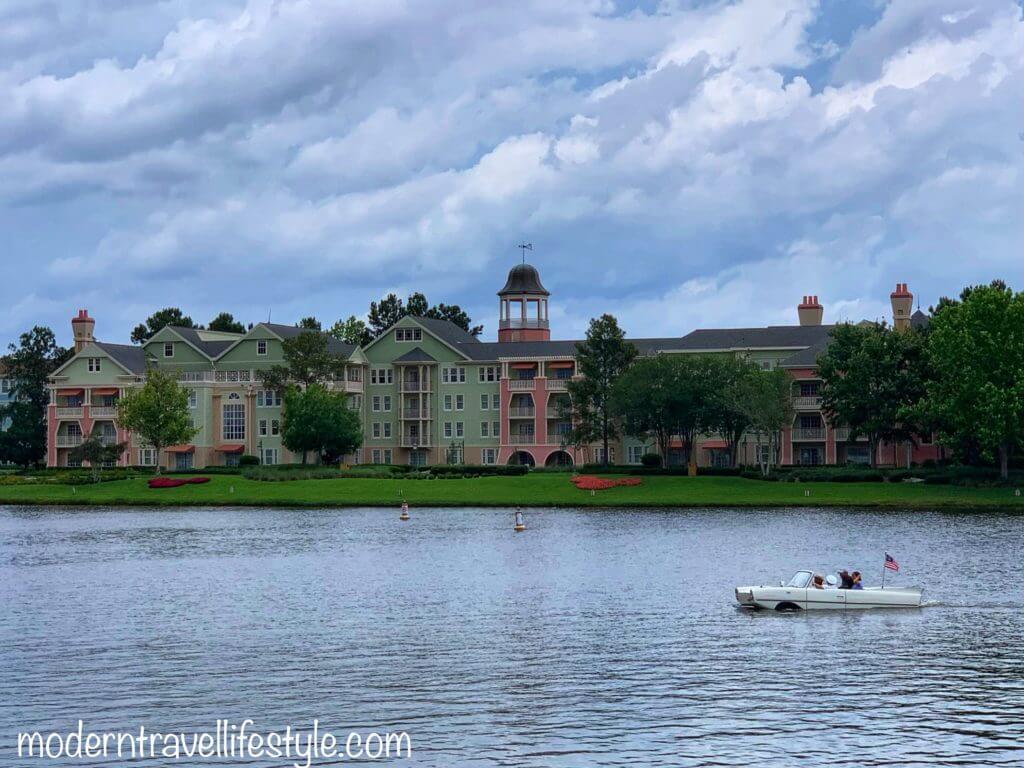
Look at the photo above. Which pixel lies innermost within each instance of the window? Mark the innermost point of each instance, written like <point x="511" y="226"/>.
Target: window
<point x="382" y="375"/>
<point x="408" y="334"/>
<point x="193" y="398"/>
<point x="268" y="456"/>
<point x="418" y="459"/>
<point x="261" y="348"/>
<point x="5" y="386"/>
<point x="267" y="398"/>
<point x="455" y="375"/>
<point x="387" y="429"/>
<point x="485" y="401"/>
<point x="263" y="427"/>
<point x="168" y="349"/>
<point x="355" y="402"/>
<point x="563" y="373"/>
<point x="147" y="457"/>
<point x="720" y="458"/>
<point x="375" y="430"/>
<point x="182" y="461"/>
<point x="489" y="456"/>
<point x="233" y="423"/>
<point x="599" y="454"/>
<point x="387" y="455"/>
<point x="448" y="429"/>
<point x="94" y="364"/>
<point x="275" y="427"/>
<point x="375" y="456"/>
<point x="447" y="402"/>
<point x="495" y="402"/>
<point x="485" y="429"/>
<point x="495" y="429"/>
<point x="73" y="462"/>
<point x="808" y="389"/>
<point x="460" y="429"/>
<point x="387" y="403"/>
<point x="488" y="373"/>
<point x="375" y="404"/>
<point x="633" y="454"/>
<point x="460" y="402"/>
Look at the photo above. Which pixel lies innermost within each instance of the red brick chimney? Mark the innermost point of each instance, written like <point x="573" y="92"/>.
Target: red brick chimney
<point x="810" y="311"/>
<point x="81" y="329"/>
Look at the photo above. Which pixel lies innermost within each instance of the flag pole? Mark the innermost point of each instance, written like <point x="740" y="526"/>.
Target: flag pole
<point x="883" y="574"/>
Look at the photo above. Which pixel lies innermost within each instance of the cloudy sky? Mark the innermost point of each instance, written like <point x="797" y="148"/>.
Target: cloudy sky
<point x="679" y="164"/>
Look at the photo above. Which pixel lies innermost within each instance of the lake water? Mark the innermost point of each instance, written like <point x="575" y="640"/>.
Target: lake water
<point x="595" y="638"/>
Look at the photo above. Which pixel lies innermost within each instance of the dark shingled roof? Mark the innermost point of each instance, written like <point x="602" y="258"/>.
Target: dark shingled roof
<point x="209" y="348"/>
<point x="446" y="330"/>
<point x="806" y="358"/>
<point x="919" y="320"/>
<point x="416" y="355"/>
<point x="771" y="337"/>
<point x="335" y="346"/>
<point x="524" y="278"/>
<point x="131" y="357"/>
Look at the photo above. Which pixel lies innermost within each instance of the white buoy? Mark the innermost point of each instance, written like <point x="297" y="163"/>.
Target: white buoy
<point x="519" y="526"/>
<point x="405" y="511"/>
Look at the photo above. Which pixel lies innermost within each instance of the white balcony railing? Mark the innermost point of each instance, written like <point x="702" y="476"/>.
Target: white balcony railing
<point x="520" y="384"/>
<point x="842" y="435"/>
<point x="522" y="412"/>
<point x="807" y="401"/>
<point x="69" y="441"/>
<point x="809" y="433"/>
<point x="416" y="441"/>
<point x="416" y="385"/>
<point x="415" y="413"/>
<point x="518" y="322"/>
<point x="557" y="385"/>
<point x="522" y="439"/>
<point x="102" y="411"/>
<point x="69" y="411"/>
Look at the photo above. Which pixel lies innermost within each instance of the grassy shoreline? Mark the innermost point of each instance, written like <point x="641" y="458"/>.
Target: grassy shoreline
<point x="552" y="490"/>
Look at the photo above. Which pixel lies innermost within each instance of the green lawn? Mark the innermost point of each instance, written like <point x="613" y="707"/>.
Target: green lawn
<point x="532" y="490"/>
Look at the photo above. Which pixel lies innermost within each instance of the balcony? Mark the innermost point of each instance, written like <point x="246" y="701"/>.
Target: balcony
<point x="108" y="440"/>
<point x="517" y="323"/>
<point x="807" y="402"/>
<point x="521" y="384"/>
<point x="522" y="439"/>
<point x="522" y="412"/>
<point x="415" y="385"/>
<point x="69" y="411"/>
<point x="69" y="441"/>
<point x="809" y="433"/>
<point x="195" y="376"/>
<point x="103" y="411"/>
<point x="556" y="413"/>
<point x="416" y="441"/>
<point x="415" y="413"/>
<point x="557" y="385"/>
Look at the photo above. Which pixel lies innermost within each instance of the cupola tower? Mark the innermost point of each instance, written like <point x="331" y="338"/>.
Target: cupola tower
<point x="523" y="306"/>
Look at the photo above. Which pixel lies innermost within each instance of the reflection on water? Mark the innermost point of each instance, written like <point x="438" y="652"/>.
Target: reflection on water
<point x="595" y="638"/>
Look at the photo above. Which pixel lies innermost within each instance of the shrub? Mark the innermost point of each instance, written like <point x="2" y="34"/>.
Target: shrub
<point x="176" y="482"/>
<point x="248" y="460"/>
<point x="651" y="460"/>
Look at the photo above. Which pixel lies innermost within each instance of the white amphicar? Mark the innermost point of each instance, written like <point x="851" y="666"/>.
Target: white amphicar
<point x="799" y="593"/>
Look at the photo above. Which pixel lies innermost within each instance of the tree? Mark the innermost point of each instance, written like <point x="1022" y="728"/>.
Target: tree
<point x="765" y="399"/>
<point x="454" y="314"/>
<point x="976" y="347"/>
<point x="351" y="331"/>
<point x="319" y="421"/>
<point x="307" y="360"/>
<point x="95" y="451"/>
<point x="724" y="416"/>
<point x="160" y="320"/>
<point x="642" y="400"/>
<point x="693" y="400"/>
<point x="417" y="305"/>
<point x="29" y="366"/>
<point x="310" y="324"/>
<point x="226" y="323"/>
<point x="600" y="360"/>
<point x="157" y="411"/>
<point x="871" y="377"/>
<point x="385" y="314"/>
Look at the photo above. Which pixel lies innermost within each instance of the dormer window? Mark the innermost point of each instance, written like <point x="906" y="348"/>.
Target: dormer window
<point x="94" y="364"/>
<point x="168" y="349"/>
<point x="261" y="347"/>
<point x="408" y="334"/>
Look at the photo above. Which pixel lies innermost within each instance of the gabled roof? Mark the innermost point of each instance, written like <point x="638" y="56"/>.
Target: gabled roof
<point x="446" y="330"/>
<point x="416" y="355"/>
<point x="335" y="346"/>
<point x="212" y="348"/>
<point x="770" y="337"/>
<point x="128" y="356"/>
<point x="919" y="320"/>
<point x="806" y="358"/>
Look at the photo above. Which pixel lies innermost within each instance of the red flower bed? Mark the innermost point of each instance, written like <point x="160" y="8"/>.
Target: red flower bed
<point x="591" y="483"/>
<point x="175" y="482"/>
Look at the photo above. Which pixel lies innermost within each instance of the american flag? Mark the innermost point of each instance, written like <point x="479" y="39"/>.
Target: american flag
<point x="891" y="564"/>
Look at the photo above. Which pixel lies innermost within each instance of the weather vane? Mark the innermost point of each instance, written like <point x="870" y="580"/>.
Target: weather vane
<point x="524" y="247"/>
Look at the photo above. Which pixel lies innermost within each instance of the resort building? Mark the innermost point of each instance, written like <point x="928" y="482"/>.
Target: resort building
<point x="428" y="392"/>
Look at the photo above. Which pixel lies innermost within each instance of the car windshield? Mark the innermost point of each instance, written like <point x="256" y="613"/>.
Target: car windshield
<point x="800" y="580"/>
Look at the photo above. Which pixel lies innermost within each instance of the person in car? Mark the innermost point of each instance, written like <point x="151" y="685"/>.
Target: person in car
<point x="857" y="584"/>
<point x="845" y="579"/>
<point x="818" y="582"/>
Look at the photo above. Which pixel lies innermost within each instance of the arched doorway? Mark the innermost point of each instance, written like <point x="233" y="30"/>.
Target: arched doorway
<point x="522" y="458"/>
<point x="558" y="459"/>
